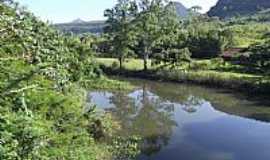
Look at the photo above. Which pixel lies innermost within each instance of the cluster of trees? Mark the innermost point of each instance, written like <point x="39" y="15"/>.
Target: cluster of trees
<point x="151" y="28"/>
<point x="258" y="56"/>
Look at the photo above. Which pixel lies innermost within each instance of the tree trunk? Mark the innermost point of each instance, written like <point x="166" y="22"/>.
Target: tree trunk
<point x="145" y="59"/>
<point x="121" y="63"/>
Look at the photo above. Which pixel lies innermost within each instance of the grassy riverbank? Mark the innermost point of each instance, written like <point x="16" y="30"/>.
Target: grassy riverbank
<point x="204" y="72"/>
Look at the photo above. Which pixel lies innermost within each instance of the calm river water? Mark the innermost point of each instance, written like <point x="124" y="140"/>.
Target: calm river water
<point x="186" y="122"/>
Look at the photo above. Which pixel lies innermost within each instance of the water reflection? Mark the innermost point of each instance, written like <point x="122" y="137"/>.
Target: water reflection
<point x="189" y="122"/>
<point x="142" y="113"/>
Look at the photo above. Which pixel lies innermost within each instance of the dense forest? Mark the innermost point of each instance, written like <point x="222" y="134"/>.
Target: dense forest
<point x="45" y="73"/>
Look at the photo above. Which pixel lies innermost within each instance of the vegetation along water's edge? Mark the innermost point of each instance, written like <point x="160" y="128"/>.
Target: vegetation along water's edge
<point x="246" y="83"/>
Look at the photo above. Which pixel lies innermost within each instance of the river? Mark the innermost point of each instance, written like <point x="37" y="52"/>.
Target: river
<point x="187" y="122"/>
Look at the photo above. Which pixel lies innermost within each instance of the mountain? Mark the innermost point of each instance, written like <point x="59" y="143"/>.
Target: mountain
<point x="79" y="26"/>
<point x="231" y="8"/>
<point x="260" y="17"/>
<point x="78" y="21"/>
<point x="181" y="10"/>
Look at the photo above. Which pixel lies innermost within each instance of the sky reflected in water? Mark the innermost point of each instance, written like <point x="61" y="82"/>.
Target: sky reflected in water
<point x="190" y="122"/>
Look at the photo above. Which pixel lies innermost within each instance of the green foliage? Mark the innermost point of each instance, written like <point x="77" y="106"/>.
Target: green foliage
<point x="24" y="36"/>
<point x="259" y="56"/>
<point x="159" y="31"/>
<point x="120" y="28"/>
<point x="174" y="57"/>
<point x="126" y="148"/>
<point x="207" y="39"/>
<point x="104" y="83"/>
<point x="43" y="112"/>
<point x="247" y="34"/>
<point x="148" y="24"/>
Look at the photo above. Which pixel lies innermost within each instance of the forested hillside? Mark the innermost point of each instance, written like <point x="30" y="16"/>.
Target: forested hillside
<point x="231" y="8"/>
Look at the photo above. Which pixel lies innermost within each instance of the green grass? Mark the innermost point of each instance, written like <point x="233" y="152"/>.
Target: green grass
<point x="204" y="66"/>
<point x="206" y="72"/>
<point x="104" y="83"/>
<point x="129" y="64"/>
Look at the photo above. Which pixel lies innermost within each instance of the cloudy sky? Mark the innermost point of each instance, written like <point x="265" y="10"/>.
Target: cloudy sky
<point x="58" y="11"/>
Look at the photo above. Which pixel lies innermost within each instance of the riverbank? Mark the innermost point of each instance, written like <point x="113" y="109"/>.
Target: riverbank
<point x="246" y="83"/>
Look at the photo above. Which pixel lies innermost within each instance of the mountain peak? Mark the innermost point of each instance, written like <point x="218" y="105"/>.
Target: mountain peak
<point x="78" y="20"/>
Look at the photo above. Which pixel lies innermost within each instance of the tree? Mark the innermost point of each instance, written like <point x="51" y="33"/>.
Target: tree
<point x="120" y="28"/>
<point x="148" y="26"/>
<point x="259" y="56"/>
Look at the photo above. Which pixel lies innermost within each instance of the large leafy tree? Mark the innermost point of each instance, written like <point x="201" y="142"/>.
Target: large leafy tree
<point x="171" y="45"/>
<point x="120" y="28"/>
<point x="148" y="26"/>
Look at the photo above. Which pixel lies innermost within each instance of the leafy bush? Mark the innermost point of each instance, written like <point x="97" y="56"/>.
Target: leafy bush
<point x="43" y="112"/>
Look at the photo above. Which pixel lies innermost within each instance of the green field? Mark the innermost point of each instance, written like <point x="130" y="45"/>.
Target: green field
<point x="129" y="64"/>
<point x="202" y="66"/>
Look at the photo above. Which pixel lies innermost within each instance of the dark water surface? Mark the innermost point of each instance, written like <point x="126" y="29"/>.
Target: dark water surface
<point x="185" y="122"/>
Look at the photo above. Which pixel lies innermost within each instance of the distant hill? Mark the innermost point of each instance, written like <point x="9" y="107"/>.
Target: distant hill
<point x="181" y="10"/>
<point x="261" y="17"/>
<point x="78" y="21"/>
<point x="79" y="26"/>
<point x="231" y="8"/>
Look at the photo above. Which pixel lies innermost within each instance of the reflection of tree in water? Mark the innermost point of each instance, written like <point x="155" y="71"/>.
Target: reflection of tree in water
<point x="149" y="117"/>
<point x="264" y="117"/>
<point x="124" y="109"/>
<point x="192" y="104"/>
<point x="181" y="95"/>
<point x="155" y="122"/>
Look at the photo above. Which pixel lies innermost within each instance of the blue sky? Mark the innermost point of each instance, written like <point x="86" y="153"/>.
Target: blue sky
<point x="58" y="11"/>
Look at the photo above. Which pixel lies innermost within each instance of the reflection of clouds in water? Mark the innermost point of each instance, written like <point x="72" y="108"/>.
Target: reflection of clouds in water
<point x="101" y="99"/>
<point x="204" y="113"/>
<point x="243" y="138"/>
<point x="155" y="100"/>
